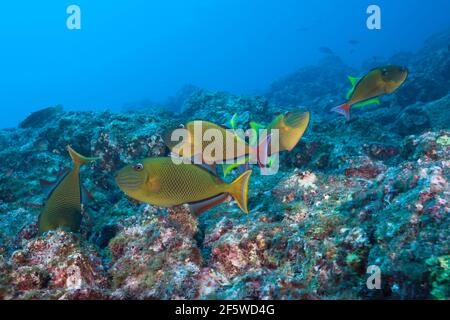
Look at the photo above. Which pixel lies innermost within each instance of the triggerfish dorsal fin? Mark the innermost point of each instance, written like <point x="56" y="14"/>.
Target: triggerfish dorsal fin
<point x="354" y="81"/>
<point x="239" y="190"/>
<point x="211" y="168"/>
<point x="79" y="159"/>
<point x="201" y="206"/>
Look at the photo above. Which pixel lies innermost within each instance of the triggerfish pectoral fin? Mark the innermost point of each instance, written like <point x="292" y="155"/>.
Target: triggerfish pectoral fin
<point x="343" y="109"/>
<point x="239" y="190"/>
<point x="199" y="207"/>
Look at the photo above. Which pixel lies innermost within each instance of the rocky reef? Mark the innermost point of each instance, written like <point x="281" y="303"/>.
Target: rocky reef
<point x="370" y="192"/>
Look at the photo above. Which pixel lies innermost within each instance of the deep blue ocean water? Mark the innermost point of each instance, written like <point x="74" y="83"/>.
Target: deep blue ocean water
<point x="133" y="50"/>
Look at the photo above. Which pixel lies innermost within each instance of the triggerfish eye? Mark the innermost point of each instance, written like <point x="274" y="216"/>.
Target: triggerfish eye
<point x="131" y="177"/>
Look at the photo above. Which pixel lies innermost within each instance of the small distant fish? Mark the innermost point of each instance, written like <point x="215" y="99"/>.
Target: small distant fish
<point x="353" y="42"/>
<point x="162" y="182"/>
<point x="326" y="50"/>
<point x="376" y="83"/>
<point x="64" y="197"/>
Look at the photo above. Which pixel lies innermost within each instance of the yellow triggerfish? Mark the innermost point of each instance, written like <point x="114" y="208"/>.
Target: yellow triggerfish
<point x="164" y="183"/>
<point x="64" y="197"/>
<point x="378" y="82"/>
<point x="291" y="126"/>
<point x="233" y="147"/>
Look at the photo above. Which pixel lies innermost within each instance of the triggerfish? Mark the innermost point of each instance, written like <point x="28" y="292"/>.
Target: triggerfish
<point x="376" y="83"/>
<point x="64" y="198"/>
<point x="291" y="128"/>
<point x="164" y="183"/>
<point x="195" y="146"/>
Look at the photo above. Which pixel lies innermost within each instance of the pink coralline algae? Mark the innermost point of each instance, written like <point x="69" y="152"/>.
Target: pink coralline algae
<point x="59" y="265"/>
<point x="158" y="259"/>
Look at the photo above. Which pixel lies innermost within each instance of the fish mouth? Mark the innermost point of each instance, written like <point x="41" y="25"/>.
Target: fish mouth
<point x="129" y="181"/>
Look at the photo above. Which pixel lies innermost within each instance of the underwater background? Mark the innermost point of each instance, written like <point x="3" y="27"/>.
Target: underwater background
<point x="369" y="192"/>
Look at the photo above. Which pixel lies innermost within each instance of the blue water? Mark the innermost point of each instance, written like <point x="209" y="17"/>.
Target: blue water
<point x="139" y="49"/>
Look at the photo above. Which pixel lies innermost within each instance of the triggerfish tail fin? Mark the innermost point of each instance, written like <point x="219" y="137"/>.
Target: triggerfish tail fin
<point x="78" y="159"/>
<point x="199" y="207"/>
<point x="298" y="120"/>
<point x="239" y="190"/>
<point x="343" y="109"/>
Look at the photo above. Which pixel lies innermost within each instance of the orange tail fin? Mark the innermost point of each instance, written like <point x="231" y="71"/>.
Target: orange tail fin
<point x="343" y="109"/>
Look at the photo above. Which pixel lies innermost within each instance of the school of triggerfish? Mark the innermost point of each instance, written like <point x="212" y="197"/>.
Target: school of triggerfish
<point x="163" y="182"/>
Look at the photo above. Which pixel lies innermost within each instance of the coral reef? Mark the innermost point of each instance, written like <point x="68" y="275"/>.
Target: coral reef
<point x="57" y="266"/>
<point x="373" y="191"/>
